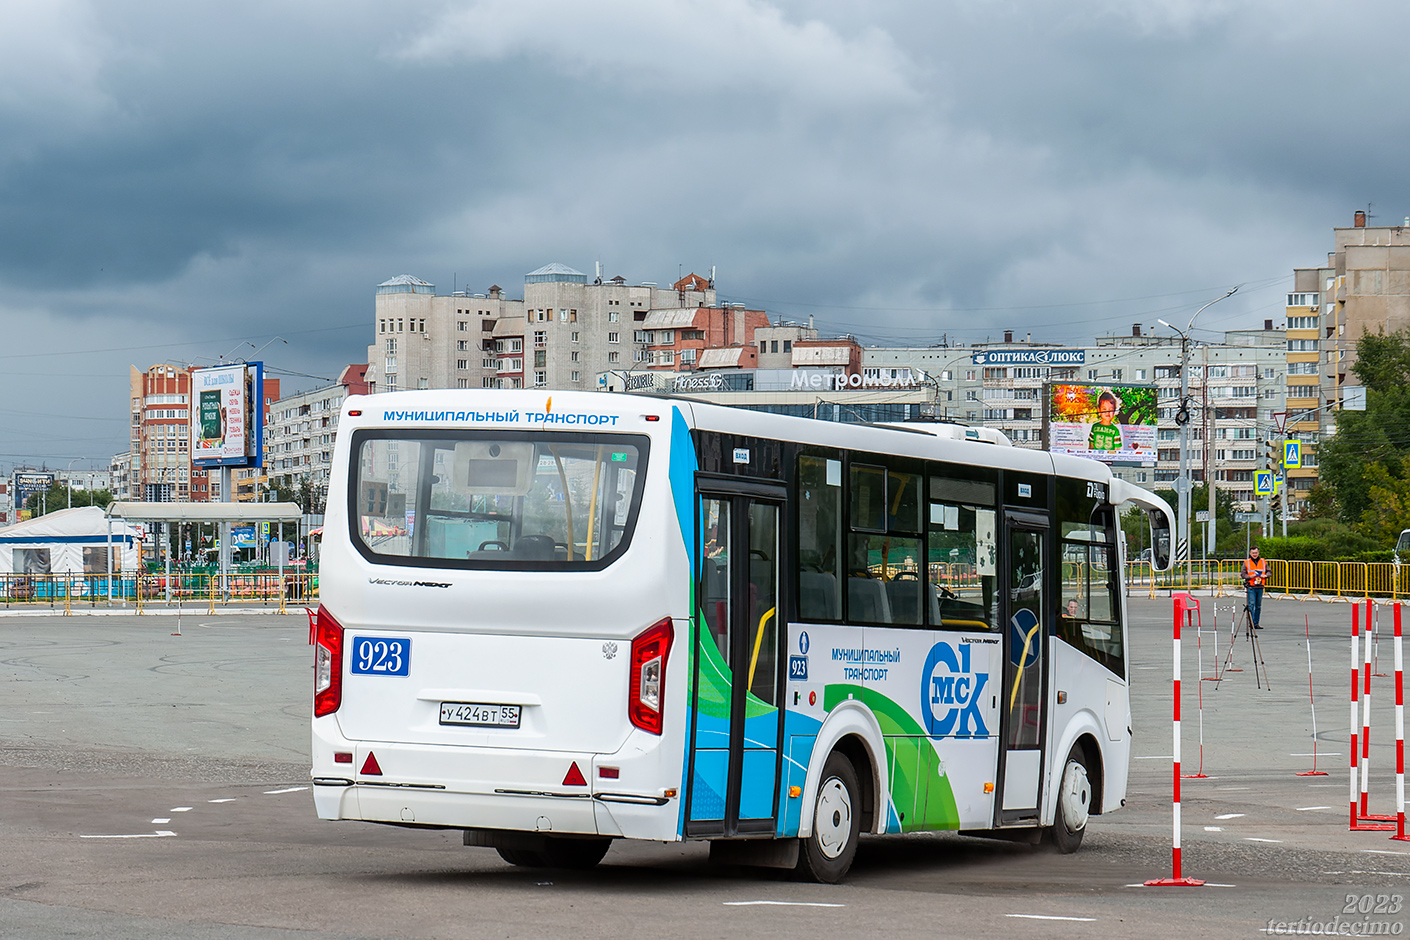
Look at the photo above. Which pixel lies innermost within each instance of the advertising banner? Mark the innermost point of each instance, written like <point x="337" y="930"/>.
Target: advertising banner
<point x="1111" y="423"/>
<point x="27" y="485"/>
<point x="228" y="416"/>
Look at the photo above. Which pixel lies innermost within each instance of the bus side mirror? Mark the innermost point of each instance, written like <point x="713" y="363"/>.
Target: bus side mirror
<point x="1160" y="538"/>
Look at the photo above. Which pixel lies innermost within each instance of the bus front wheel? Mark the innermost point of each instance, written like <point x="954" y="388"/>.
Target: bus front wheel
<point x="1074" y="803"/>
<point x="826" y="855"/>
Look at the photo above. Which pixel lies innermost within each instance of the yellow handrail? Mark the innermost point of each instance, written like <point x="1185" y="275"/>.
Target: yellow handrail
<point x="758" y="642"/>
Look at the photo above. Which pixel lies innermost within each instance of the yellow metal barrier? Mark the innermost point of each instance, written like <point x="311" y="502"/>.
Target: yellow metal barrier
<point x="141" y="591"/>
<point x="1303" y="580"/>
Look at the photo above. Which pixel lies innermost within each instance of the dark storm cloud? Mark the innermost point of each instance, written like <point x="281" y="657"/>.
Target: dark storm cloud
<point x="181" y="180"/>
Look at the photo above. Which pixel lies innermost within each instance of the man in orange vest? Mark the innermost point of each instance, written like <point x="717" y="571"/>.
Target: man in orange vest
<point x="1255" y="573"/>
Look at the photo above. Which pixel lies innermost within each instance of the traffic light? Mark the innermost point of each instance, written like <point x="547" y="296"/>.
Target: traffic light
<point x="1277" y="503"/>
<point x="1274" y="458"/>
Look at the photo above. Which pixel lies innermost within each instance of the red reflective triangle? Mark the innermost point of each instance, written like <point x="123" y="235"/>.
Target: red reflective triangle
<point x="370" y="766"/>
<point x="574" y="777"/>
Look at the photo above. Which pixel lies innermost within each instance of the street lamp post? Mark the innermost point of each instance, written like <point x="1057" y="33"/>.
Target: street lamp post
<point x="68" y="479"/>
<point x="1182" y="418"/>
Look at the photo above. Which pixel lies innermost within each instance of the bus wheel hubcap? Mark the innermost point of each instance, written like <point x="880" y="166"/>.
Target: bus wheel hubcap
<point x="1076" y="796"/>
<point x="833" y="823"/>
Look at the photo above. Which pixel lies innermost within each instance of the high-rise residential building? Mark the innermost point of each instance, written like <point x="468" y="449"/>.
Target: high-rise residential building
<point x="564" y="332"/>
<point x="1363" y="288"/>
<point x="299" y="437"/>
<point x="159" y="469"/>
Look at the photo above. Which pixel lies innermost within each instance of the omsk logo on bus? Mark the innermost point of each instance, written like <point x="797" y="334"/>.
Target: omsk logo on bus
<point x="798" y="665"/>
<point x="950" y="693"/>
<point x="1023" y="638"/>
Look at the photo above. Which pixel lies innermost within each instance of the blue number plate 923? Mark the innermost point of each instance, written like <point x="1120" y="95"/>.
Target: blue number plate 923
<point x="381" y="656"/>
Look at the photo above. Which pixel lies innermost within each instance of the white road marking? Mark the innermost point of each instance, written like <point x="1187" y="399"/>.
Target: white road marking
<point x="1252" y="839"/>
<point x="160" y="833"/>
<point x="1383" y="852"/>
<point x="1240" y="788"/>
<point x="229" y="799"/>
<point x="179" y="809"/>
<point x="161" y="820"/>
<point x="286" y="790"/>
<point x="1049" y="917"/>
<point x="1230" y="816"/>
<point x="780" y="904"/>
<point x="1213" y="828"/>
<point x="1156" y="757"/>
<point x="1303" y="809"/>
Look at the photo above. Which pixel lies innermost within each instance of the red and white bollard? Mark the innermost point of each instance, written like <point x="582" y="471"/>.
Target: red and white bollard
<point x="1183" y="604"/>
<point x="1399" y="736"/>
<point x="1366" y="664"/>
<point x="1359" y="788"/>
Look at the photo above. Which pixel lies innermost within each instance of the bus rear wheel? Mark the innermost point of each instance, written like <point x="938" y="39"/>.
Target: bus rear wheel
<point x="1074" y="803"/>
<point x="826" y="855"/>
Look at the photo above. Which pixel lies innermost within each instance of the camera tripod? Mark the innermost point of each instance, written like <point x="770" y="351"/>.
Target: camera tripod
<point x="1244" y="626"/>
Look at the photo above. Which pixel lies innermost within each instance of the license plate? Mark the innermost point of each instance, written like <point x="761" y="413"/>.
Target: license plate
<point x="480" y="715"/>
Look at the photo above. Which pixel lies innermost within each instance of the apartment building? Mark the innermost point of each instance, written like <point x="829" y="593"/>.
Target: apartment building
<point x="674" y="339"/>
<point x="302" y="428"/>
<point x="1234" y="382"/>
<point x="1363" y="287"/>
<point x="120" y="471"/>
<point x="158" y="468"/>
<point x="565" y="331"/>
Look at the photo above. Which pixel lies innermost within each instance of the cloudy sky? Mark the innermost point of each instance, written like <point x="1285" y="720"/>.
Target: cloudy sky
<point x="179" y="179"/>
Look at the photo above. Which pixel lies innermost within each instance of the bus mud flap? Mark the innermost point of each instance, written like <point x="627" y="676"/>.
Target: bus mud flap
<point x="755" y="853"/>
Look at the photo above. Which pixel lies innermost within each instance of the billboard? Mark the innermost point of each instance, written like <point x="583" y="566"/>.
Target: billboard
<point x="227" y="416"/>
<point x="1111" y="423"/>
<point x="27" y="484"/>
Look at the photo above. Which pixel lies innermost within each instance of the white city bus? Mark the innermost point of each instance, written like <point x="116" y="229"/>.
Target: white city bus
<point x="553" y="620"/>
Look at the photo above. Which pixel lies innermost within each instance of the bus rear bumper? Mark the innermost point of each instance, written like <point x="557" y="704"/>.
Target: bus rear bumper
<point x="491" y="788"/>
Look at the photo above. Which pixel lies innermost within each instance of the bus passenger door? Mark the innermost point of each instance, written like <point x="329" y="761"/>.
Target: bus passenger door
<point x="734" y="733"/>
<point x="1025" y="650"/>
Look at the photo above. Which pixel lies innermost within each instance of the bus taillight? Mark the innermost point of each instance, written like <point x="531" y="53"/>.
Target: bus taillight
<point x="648" y="676"/>
<point x="327" y="664"/>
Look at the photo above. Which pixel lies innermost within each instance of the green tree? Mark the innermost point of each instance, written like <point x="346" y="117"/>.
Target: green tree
<point x="58" y="496"/>
<point x="1387" y="501"/>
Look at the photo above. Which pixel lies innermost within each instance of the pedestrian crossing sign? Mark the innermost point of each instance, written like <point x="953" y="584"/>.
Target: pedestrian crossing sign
<point x="1263" y="482"/>
<point x="1292" y="454"/>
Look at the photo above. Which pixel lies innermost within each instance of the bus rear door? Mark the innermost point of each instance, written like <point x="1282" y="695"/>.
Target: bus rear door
<point x="734" y="728"/>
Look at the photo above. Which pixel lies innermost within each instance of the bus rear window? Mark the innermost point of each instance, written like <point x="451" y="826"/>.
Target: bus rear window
<point x="530" y="500"/>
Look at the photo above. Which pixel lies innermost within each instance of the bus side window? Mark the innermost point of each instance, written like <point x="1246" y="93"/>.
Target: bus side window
<point x="1089" y="611"/>
<point x="962" y="551"/>
<point x="885" y="580"/>
<point x="819" y="503"/>
<point x="714" y="574"/>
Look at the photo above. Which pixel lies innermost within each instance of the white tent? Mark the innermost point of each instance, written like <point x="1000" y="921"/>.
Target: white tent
<point x="69" y="541"/>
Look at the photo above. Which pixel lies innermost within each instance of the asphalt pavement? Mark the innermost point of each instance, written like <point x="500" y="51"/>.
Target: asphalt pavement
<point x="156" y="786"/>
